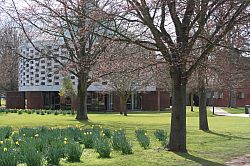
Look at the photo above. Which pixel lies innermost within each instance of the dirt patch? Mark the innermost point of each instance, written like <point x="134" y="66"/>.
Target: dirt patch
<point x="239" y="161"/>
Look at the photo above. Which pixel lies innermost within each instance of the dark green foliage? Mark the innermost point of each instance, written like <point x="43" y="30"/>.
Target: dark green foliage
<point x="142" y="138"/>
<point x="103" y="147"/>
<point x="161" y="135"/>
<point x="73" y="151"/>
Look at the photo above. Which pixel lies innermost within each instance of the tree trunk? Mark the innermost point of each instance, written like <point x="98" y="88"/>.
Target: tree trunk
<point x="123" y="105"/>
<point x="203" y="122"/>
<point x="82" y="96"/>
<point x="177" y="140"/>
<point x="232" y="98"/>
<point x="192" y="101"/>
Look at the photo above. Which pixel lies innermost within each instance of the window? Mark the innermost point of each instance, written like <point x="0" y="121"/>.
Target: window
<point x="27" y="65"/>
<point x="56" y="83"/>
<point x="49" y="80"/>
<point x="56" y="72"/>
<point x="31" y="51"/>
<point x="241" y="95"/>
<point x="42" y="61"/>
<point x="42" y="83"/>
<point x="31" y="73"/>
<point x="73" y="83"/>
<point x="37" y="81"/>
<point x="49" y="75"/>
<point x="37" y="70"/>
<point x="27" y="76"/>
<point x="31" y="67"/>
<point x="56" y="77"/>
<point x="43" y="67"/>
<point x="72" y="77"/>
<point x="37" y="75"/>
<point x="43" y="78"/>
<point x="49" y="69"/>
<point x="42" y="72"/>
<point x="27" y="81"/>
<point x="48" y="64"/>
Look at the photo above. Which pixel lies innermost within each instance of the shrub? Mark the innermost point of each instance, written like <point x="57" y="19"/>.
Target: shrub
<point x="7" y="156"/>
<point x="56" y="112"/>
<point x="29" y="112"/>
<point x="38" y="112"/>
<point x="88" y="139"/>
<point x="5" y="132"/>
<point x="120" y="142"/>
<point x="42" y="113"/>
<point x="20" y="112"/>
<point x="161" y="135"/>
<point x="30" y="155"/>
<point x="117" y="139"/>
<point x="107" y="132"/>
<point x="54" y="153"/>
<point x="102" y="147"/>
<point x="73" y="151"/>
<point x="142" y="138"/>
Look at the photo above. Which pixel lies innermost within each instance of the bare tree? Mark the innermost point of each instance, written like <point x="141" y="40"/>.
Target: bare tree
<point x="173" y="27"/>
<point x="65" y="24"/>
<point x="128" y="68"/>
<point x="9" y="42"/>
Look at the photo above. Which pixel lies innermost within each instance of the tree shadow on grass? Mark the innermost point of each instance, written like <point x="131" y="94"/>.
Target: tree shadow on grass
<point x="227" y="136"/>
<point x="199" y="160"/>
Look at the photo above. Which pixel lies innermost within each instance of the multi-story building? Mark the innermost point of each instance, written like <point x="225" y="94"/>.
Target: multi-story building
<point x="40" y="79"/>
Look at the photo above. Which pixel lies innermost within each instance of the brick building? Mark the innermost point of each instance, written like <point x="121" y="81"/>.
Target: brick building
<point x="40" y="81"/>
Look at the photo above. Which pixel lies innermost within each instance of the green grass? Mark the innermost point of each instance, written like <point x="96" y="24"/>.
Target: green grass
<point x="235" y="110"/>
<point x="229" y="137"/>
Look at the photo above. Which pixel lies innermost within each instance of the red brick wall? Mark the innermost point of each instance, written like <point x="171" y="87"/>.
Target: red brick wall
<point x="240" y="102"/>
<point x="35" y="100"/>
<point x="165" y="99"/>
<point x="15" y="100"/>
<point x="116" y="103"/>
<point x="149" y="101"/>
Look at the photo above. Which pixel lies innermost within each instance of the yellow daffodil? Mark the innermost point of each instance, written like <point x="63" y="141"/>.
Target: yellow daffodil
<point x="145" y="133"/>
<point x="37" y="135"/>
<point x="65" y="139"/>
<point x="1" y="142"/>
<point x="84" y="133"/>
<point x="103" y="134"/>
<point x="5" y="149"/>
<point x="17" y="143"/>
<point x="24" y="135"/>
<point x="65" y="142"/>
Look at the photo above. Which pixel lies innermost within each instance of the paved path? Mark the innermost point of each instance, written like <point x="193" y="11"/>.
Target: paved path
<point x="219" y="111"/>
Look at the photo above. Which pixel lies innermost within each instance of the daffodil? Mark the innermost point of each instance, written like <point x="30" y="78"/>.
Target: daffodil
<point x="65" y="139"/>
<point x="5" y="149"/>
<point x="1" y="142"/>
<point x="24" y="135"/>
<point x="37" y="135"/>
<point x="17" y="143"/>
<point x="65" y="142"/>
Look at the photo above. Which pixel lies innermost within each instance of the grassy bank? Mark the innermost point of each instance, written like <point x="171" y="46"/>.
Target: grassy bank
<point x="229" y="137"/>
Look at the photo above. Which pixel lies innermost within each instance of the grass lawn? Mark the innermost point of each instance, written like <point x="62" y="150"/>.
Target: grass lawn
<point x="240" y="110"/>
<point x="229" y="137"/>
